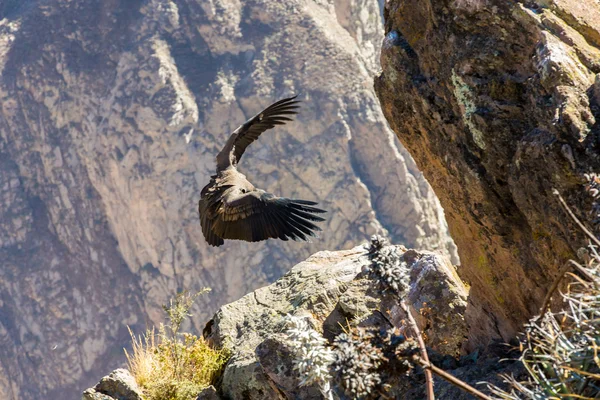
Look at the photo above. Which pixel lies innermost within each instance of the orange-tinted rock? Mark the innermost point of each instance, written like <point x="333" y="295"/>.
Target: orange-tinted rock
<point x="495" y="102"/>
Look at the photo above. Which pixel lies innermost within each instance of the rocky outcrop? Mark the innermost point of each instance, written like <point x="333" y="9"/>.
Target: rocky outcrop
<point x="118" y="385"/>
<point x="110" y="115"/>
<point x="288" y="340"/>
<point x="332" y="291"/>
<point x="498" y="103"/>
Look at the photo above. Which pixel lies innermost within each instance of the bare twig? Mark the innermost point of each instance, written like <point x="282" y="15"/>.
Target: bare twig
<point x="423" y="361"/>
<point x="583" y="271"/>
<point x="424" y="356"/>
<point x="450" y="378"/>
<point x="577" y="221"/>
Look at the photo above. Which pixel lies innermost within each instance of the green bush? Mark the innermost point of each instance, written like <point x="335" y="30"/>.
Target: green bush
<point x="170" y="365"/>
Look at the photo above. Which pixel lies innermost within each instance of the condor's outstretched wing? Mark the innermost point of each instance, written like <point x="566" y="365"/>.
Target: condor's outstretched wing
<point x="273" y="115"/>
<point x="257" y="215"/>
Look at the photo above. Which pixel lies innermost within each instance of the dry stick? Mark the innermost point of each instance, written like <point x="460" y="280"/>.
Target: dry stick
<point x="572" y="215"/>
<point x="424" y="356"/>
<point x="450" y="378"/>
<point x="583" y="228"/>
<point x="583" y="271"/>
<point x="429" y="367"/>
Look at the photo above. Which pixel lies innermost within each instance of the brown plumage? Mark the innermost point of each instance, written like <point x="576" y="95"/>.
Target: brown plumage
<point x="231" y="207"/>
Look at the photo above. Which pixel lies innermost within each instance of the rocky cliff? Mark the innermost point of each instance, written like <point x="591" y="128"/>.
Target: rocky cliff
<point x="110" y="115"/>
<point x="498" y="103"/>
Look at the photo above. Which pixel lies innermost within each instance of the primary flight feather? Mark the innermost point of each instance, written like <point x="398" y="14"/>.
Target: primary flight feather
<point x="231" y="207"/>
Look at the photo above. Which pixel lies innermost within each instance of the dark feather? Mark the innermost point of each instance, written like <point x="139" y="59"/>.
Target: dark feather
<point x="256" y="216"/>
<point x="231" y="208"/>
<point x="266" y="119"/>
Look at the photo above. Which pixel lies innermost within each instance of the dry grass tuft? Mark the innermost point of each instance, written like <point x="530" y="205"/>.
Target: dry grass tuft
<point x="170" y="365"/>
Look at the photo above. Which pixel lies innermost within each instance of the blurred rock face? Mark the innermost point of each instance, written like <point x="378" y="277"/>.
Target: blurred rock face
<point x="111" y="115"/>
<point x="498" y="103"/>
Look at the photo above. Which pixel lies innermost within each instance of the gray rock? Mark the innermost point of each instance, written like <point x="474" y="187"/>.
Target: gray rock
<point x="209" y="393"/>
<point x="118" y="385"/>
<point x="330" y="289"/>
<point x="275" y="358"/>
<point x="439" y="298"/>
<point x="91" y="394"/>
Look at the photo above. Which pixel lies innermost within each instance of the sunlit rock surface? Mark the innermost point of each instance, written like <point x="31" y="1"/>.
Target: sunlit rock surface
<point x="498" y="103"/>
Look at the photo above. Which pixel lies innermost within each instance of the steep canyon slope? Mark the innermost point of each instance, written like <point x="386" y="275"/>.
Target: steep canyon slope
<point x="499" y="102"/>
<point x="110" y="115"/>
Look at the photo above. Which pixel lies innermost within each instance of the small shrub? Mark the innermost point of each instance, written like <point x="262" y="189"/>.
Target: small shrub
<point x="357" y="361"/>
<point x="388" y="267"/>
<point x="313" y="357"/>
<point x="170" y="365"/>
<point x="356" y="365"/>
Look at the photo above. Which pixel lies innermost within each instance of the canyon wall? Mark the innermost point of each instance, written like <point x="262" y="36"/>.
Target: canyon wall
<point x="111" y="114"/>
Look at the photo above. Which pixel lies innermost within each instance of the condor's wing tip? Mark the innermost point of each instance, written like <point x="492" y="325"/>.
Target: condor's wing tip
<point x="214" y="240"/>
<point x="294" y="97"/>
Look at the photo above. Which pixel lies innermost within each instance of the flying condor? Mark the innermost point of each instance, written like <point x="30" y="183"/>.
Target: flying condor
<point x="231" y="207"/>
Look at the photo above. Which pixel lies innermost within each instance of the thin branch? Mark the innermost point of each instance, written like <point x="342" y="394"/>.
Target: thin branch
<point x="576" y="396"/>
<point x="577" y="221"/>
<point x="424" y="356"/>
<point x="450" y="378"/>
<point x="583" y="271"/>
<point x="582" y="372"/>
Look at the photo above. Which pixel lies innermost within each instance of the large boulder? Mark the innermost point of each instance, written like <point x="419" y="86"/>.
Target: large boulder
<point x="497" y="101"/>
<point x="331" y="291"/>
<point x="118" y="385"/>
